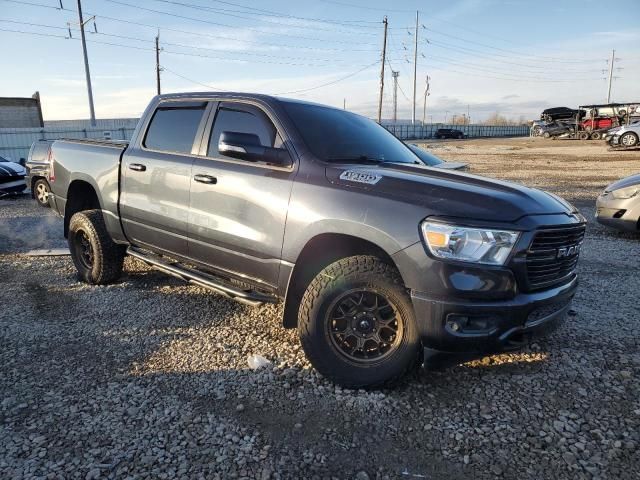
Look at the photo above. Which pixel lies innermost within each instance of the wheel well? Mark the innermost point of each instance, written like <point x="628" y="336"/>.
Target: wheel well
<point x="319" y="252"/>
<point x="35" y="179"/>
<point x="80" y="196"/>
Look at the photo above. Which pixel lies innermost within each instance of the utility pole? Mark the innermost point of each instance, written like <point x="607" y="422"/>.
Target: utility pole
<point x="395" y="95"/>
<point x="613" y="58"/>
<point x="426" y="94"/>
<point x="344" y="103"/>
<point x="446" y="112"/>
<point x="384" y="59"/>
<point x="415" y="70"/>
<point x="158" y="61"/>
<point x="86" y="65"/>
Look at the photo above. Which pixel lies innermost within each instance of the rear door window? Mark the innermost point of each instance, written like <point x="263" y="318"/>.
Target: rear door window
<point x="242" y="119"/>
<point x="173" y="127"/>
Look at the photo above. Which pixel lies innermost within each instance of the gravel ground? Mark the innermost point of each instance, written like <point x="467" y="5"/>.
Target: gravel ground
<point x="148" y="378"/>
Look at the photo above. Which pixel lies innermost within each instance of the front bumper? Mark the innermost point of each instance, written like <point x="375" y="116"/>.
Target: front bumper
<point x="621" y="214"/>
<point x="13" y="186"/>
<point x="480" y="327"/>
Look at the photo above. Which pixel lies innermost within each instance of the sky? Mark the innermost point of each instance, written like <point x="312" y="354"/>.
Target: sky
<point x="511" y="57"/>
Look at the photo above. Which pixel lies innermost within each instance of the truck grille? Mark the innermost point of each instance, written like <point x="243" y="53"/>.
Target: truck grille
<point x="553" y="255"/>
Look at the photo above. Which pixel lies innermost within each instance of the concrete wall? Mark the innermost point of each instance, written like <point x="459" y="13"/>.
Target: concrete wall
<point x="21" y="112"/>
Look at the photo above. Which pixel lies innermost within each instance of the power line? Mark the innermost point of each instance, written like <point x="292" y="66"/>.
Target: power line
<point x="208" y="22"/>
<point x="234" y="13"/>
<point x="201" y="34"/>
<point x="322" y="20"/>
<point x="235" y="60"/>
<point x="541" y="58"/>
<point x="351" y="5"/>
<point x="483" y="67"/>
<point x="333" y="82"/>
<point x="192" y="80"/>
<point x="480" y="53"/>
<point x="511" y="79"/>
<point x="330" y="83"/>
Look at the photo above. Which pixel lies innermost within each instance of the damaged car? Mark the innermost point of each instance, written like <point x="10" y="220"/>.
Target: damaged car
<point x="12" y="177"/>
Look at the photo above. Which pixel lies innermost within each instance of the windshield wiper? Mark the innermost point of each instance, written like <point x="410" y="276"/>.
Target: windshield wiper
<point x="356" y="159"/>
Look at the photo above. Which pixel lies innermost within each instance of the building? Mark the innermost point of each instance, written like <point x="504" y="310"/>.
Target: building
<point x="16" y="112"/>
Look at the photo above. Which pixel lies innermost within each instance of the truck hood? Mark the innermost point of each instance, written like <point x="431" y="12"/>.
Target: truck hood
<point x="450" y="193"/>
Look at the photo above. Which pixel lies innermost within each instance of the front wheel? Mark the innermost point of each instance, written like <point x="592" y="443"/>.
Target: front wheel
<point x="41" y="192"/>
<point x="596" y="136"/>
<point x="629" y="139"/>
<point x="357" y="325"/>
<point x="97" y="258"/>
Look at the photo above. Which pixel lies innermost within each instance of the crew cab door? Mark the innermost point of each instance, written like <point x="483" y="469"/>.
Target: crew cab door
<point x="156" y="177"/>
<point x="238" y="208"/>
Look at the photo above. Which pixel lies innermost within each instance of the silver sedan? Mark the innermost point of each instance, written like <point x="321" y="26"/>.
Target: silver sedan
<point x="619" y="205"/>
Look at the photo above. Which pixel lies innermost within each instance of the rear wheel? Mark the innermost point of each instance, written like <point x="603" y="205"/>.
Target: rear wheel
<point x="41" y="192"/>
<point x="356" y="324"/>
<point x="546" y="135"/>
<point x="596" y="136"/>
<point x="629" y="139"/>
<point x="96" y="257"/>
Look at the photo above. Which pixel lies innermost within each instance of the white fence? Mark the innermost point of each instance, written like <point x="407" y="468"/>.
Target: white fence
<point x="16" y="142"/>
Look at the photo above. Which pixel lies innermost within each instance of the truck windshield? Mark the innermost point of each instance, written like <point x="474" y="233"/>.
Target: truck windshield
<point x="339" y="136"/>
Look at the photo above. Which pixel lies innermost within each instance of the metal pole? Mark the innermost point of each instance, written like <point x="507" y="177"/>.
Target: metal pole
<point x="384" y="57"/>
<point x="395" y="95"/>
<point x="424" y="107"/>
<point x="86" y="66"/>
<point x="158" y="62"/>
<point x="415" y="70"/>
<point x="613" y="58"/>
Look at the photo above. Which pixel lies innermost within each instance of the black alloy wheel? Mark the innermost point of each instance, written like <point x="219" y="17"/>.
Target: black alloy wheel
<point x="364" y="326"/>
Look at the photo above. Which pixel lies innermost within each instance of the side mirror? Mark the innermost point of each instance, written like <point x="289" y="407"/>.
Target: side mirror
<point x="23" y="162"/>
<point x="246" y="146"/>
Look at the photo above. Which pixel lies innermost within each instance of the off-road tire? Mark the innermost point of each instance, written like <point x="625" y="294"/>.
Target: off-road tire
<point x="333" y="281"/>
<point x="107" y="256"/>
<point x="546" y="135"/>
<point x="596" y="136"/>
<point x="41" y="192"/>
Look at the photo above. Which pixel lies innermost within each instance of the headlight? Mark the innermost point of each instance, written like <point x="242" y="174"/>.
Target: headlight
<point x="626" y="192"/>
<point x="477" y="245"/>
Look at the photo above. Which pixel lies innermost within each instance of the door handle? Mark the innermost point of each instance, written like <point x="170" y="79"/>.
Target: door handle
<point x="138" y="167"/>
<point x="205" y="179"/>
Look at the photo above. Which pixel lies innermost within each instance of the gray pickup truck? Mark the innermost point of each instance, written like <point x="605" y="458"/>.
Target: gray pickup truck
<point x="381" y="261"/>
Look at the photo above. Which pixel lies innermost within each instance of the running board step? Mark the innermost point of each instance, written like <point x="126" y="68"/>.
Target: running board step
<point x="201" y="279"/>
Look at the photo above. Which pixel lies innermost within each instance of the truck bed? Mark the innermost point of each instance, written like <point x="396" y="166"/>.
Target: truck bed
<point x="96" y="162"/>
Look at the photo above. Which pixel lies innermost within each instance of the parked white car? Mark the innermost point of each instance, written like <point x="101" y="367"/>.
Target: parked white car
<point x="619" y="205"/>
<point x="627" y="135"/>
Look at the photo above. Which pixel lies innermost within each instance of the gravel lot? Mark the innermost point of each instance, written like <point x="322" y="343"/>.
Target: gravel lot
<point x="148" y="378"/>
